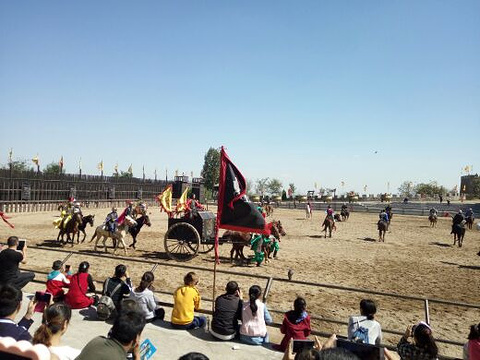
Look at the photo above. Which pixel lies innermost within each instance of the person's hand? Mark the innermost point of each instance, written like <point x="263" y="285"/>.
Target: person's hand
<point x="30" y="309"/>
<point x="136" y="350"/>
<point x="408" y="332"/>
<point x="288" y="354"/>
<point x="239" y="293"/>
<point x="330" y="343"/>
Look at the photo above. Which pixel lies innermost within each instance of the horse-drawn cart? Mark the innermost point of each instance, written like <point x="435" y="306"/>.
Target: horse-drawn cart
<point x="188" y="236"/>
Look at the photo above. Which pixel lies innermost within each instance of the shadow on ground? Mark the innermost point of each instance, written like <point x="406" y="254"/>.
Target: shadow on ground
<point x="437" y="243"/>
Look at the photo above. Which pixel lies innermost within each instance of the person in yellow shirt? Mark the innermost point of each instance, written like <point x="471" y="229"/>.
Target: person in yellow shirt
<point x="186" y="299"/>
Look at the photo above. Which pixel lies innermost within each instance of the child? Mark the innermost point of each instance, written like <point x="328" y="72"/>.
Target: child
<point x="255" y="318"/>
<point x="56" y="281"/>
<point x="296" y="324"/>
<point x="186" y="299"/>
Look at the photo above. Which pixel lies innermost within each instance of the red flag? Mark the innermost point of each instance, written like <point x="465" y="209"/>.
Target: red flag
<point x="5" y="218"/>
<point x="234" y="211"/>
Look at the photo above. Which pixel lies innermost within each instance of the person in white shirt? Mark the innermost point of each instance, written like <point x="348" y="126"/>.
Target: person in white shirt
<point x="365" y="328"/>
<point x="143" y="296"/>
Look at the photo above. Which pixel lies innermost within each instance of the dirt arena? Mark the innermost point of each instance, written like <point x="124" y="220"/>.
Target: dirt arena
<point x="414" y="260"/>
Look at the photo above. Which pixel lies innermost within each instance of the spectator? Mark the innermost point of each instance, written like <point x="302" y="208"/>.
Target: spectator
<point x="143" y="295"/>
<point x="56" y="281"/>
<point x="255" y="318"/>
<point x="471" y="350"/>
<point x="10" y="304"/>
<point x="124" y="337"/>
<point x="366" y="321"/>
<point x="228" y="310"/>
<point x="296" y="324"/>
<point x="193" y="356"/>
<point x="186" y="299"/>
<point x="9" y="260"/>
<point x="55" y="321"/>
<point x="423" y="347"/>
<point x="80" y="284"/>
<point x="119" y="278"/>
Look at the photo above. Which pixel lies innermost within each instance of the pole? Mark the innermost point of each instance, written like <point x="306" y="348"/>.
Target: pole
<point x="214" y="284"/>
<point x="427" y="312"/>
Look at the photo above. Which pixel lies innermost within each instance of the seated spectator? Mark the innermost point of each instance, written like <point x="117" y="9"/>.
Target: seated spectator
<point x="422" y="348"/>
<point x="10" y="304"/>
<point x="186" y="299"/>
<point x="471" y="350"/>
<point x="143" y="295"/>
<point x="319" y="351"/>
<point x="193" y="356"/>
<point x="363" y="327"/>
<point x="80" y="284"/>
<point x="118" y="287"/>
<point x="55" y="321"/>
<point x="228" y="310"/>
<point x="124" y="337"/>
<point x="57" y="280"/>
<point x="255" y="318"/>
<point x="296" y="324"/>
<point x="9" y="260"/>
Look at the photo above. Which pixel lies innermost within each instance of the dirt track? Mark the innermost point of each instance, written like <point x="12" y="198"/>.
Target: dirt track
<point x="415" y="260"/>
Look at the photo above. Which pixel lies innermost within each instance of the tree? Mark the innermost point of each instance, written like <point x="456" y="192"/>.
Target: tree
<point x="53" y="169"/>
<point x="19" y="166"/>
<point x="211" y="168"/>
<point x="284" y="195"/>
<point x="250" y="188"/>
<point x="476" y="187"/>
<point x="406" y="189"/>
<point x="261" y="186"/>
<point x="431" y="189"/>
<point x="125" y="174"/>
<point x="274" y="187"/>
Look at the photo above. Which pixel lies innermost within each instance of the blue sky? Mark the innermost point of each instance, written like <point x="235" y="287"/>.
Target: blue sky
<point x="306" y="91"/>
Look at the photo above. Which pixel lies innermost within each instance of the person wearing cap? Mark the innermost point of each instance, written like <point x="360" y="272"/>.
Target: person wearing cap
<point x="423" y="346"/>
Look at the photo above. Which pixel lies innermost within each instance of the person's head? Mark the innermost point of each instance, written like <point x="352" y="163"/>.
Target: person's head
<point x="253" y="294"/>
<point x="128" y="327"/>
<point x="474" y="332"/>
<point x="114" y="209"/>
<point x="193" y="356"/>
<point x="308" y="354"/>
<point x="231" y="288"/>
<point x="191" y="279"/>
<point x="83" y="267"/>
<point x="460" y="211"/>
<point x="336" y="354"/>
<point x="57" y="265"/>
<point x="55" y="320"/>
<point x="10" y="300"/>
<point x="120" y="271"/>
<point x="147" y="280"/>
<point x="422" y="334"/>
<point x="12" y="241"/>
<point x="368" y="308"/>
<point x="299" y="306"/>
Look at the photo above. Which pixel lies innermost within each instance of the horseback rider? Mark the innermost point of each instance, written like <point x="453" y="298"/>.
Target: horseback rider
<point x="433" y="212"/>
<point x="111" y="221"/>
<point x="76" y="208"/>
<point x="344" y="206"/>
<point x="383" y="216"/>
<point x="193" y="207"/>
<point x="469" y="213"/>
<point x="458" y="218"/>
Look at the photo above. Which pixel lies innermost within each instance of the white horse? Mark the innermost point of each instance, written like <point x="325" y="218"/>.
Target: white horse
<point x="118" y="236"/>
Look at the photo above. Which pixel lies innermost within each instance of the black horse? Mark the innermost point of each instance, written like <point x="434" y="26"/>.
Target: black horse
<point x="345" y="214"/>
<point x="458" y="231"/>
<point x="85" y="221"/>
<point x="134" y="230"/>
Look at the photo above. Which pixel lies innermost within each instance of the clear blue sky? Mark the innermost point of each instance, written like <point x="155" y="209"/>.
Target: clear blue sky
<point x="302" y="91"/>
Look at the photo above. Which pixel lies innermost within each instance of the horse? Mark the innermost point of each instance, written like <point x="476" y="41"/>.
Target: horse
<point x="328" y="224"/>
<point x="469" y="222"/>
<point x="389" y="212"/>
<point x="268" y="209"/>
<point x="239" y="241"/>
<point x="458" y="231"/>
<point x="86" y="220"/>
<point x="345" y="214"/>
<point x="433" y="220"/>
<point x="382" y="226"/>
<point x="134" y="230"/>
<point x="117" y="236"/>
<point x="337" y="217"/>
<point x="276" y="232"/>
<point x="71" y="227"/>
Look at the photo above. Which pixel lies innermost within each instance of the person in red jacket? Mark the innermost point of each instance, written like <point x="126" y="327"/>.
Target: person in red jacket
<point x="80" y="284"/>
<point x="57" y="280"/>
<point x="296" y="324"/>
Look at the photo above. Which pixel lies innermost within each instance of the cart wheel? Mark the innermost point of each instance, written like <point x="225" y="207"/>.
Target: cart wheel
<point x="182" y="242"/>
<point x="205" y="248"/>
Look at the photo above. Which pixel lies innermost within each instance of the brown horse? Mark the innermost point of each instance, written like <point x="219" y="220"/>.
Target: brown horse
<point x="433" y="220"/>
<point x="328" y="224"/>
<point x="71" y="227"/>
<point x="382" y="226"/>
<point x="345" y="214"/>
<point x="239" y="240"/>
<point x="469" y="222"/>
<point x="458" y="231"/>
<point x="276" y="232"/>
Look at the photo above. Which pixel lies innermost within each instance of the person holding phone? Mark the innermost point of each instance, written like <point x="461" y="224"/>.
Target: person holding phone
<point x="57" y="280"/>
<point x="423" y="346"/>
<point x="296" y="324"/>
<point x="228" y="311"/>
<point x="80" y="284"/>
<point x="10" y="304"/>
<point x="10" y="259"/>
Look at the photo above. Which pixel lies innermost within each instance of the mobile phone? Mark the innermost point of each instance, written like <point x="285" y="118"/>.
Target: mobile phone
<point x="363" y="351"/>
<point x="300" y="345"/>
<point x="43" y="297"/>
<point x="21" y="244"/>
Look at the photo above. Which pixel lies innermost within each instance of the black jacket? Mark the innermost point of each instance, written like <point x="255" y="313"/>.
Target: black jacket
<point x="228" y="310"/>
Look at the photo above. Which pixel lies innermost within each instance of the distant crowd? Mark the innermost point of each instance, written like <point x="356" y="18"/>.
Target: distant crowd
<point x="236" y="317"/>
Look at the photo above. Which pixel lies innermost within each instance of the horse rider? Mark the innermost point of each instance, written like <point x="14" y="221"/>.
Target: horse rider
<point x="111" y="221"/>
<point x="76" y="208"/>
<point x="433" y="212"/>
<point x="330" y="215"/>
<point x="193" y="207"/>
<point x="344" y="206"/>
<point x="458" y="218"/>
<point x="469" y="214"/>
<point x="383" y="216"/>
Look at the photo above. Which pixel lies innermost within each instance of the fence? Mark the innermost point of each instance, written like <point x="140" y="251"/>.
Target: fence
<point x="269" y="284"/>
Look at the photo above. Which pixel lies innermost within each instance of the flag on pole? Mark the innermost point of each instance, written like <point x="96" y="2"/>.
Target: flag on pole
<point x="143" y="169"/>
<point x="165" y="199"/>
<point x="10" y="155"/>
<point x="234" y="211"/>
<point x="36" y="160"/>
<point x="100" y="166"/>
<point x="365" y="188"/>
<point x="182" y="202"/>
<point x="130" y="170"/>
<point x="5" y="218"/>
<point x="115" y="169"/>
<point x="60" y="164"/>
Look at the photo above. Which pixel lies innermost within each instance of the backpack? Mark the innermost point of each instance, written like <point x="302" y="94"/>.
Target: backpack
<point x="105" y="306"/>
<point x="360" y="335"/>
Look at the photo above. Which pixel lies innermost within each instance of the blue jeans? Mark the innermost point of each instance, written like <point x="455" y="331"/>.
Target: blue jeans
<point x="198" y="322"/>
<point x="254" y="340"/>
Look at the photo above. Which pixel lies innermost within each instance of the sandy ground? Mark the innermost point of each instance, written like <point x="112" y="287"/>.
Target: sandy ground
<point x="414" y="260"/>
